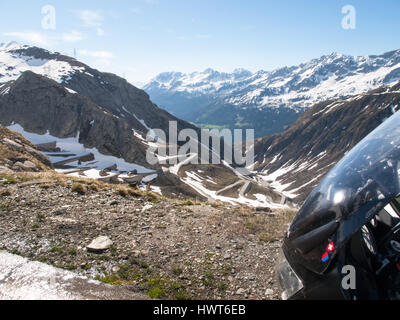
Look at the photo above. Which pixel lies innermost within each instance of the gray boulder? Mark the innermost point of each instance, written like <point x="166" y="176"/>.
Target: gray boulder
<point x="100" y="244"/>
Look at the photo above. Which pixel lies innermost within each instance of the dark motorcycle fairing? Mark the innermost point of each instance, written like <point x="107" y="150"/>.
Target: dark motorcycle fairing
<point x="351" y="194"/>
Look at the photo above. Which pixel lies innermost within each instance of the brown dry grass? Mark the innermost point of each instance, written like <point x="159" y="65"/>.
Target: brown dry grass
<point x="267" y="227"/>
<point x="7" y="153"/>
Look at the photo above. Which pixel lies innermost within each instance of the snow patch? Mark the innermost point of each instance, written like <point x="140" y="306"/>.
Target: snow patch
<point x="74" y="146"/>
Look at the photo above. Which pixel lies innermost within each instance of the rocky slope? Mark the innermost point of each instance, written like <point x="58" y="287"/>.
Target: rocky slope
<point x="44" y="91"/>
<point x="270" y="101"/>
<point x="18" y="154"/>
<point x="297" y="159"/>
<point x="155" y="246"/>
<point x="108" y="91"/>
<point x="41" y="105"/>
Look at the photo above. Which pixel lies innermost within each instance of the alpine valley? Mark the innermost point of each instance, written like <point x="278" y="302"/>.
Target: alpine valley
<point x="80" y="203"/>
<point x="94" y="125"/>
<point x="269" y="101"/>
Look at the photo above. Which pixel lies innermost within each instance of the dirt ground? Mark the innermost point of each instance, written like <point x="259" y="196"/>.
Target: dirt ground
<point x="161" y="248"/>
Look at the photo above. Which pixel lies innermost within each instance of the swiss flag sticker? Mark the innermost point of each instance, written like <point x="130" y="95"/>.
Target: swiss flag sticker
<point x="330" y="247"/>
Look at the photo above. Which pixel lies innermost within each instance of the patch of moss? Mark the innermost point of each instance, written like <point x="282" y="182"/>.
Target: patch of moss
<point x="56" y="250"/>
<point x="157" y="293"/>
<point x="188" y="203"/>
<point x="10" y="180"/>
<point x="177" y="271"/>
<point x="70" y="267"/>
<point x="109" y="279"/>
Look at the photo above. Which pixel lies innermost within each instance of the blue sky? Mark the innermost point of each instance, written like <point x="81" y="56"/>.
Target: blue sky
<point x="140" y="38"/>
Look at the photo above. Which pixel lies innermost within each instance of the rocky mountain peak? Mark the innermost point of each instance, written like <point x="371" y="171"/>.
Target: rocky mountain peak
<point x="271" y="100"/>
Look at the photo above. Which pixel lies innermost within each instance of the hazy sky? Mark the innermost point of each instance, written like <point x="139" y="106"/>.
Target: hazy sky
<point x="141" y="38"/>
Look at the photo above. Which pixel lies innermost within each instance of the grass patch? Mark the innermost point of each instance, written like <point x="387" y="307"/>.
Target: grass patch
<point x="109" y="279"/>
<point x="177" y="271"/>
<point x="56" y="250"/>
<point x="94" y="187"/>
<point x="227" y="269"/>
<point x="222" y="286"/>
<point x="209" y="279"/>
<point x="162" y="289"/>
<point x="86" y="267"/>
<point x="40" y="217"/>
<point x="188" y="203"/>
<point x="123" y="191"/>
<point x="266" y="237"/>
<point x="287" y="215"/>
<point x="135" y="272"/>
<point x="79" y="188"/>
<point x="152" y="197"/>
<point x="70" y="267"/>
<point x="214" y="204"/>
<point x="10" y="180"/>
<point x="157" y="293"/>
<point x="5" y="193"/>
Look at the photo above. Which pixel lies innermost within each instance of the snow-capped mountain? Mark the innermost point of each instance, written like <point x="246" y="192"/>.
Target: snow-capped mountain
<point x="16" y="59"/>
<point x="276" y="97"/>
<point x="46" y="92"/>
<point x="108" y="91"/>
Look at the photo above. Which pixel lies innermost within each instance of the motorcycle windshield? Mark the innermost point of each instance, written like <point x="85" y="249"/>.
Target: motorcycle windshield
<point x="349" y="196"/>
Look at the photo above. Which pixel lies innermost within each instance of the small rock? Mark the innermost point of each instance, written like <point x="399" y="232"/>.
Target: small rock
<point x="12" y="144"/>
<point x="269" y="292"/>
<point x="24" y="166"/>
<point x="4" y="168"/>
<point x="99" y="245"/>
<point x="60" y="212"/>
<point x="147" y="207"/>
<point x="115" y="269"/>
<point x="240" y="291"/>
<point x="30" y="165"/>
<point x="263" y="209"/>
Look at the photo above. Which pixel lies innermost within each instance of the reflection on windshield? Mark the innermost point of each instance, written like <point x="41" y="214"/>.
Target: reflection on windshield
<point x="370" y="172"/>
<point x="350" y="195"/>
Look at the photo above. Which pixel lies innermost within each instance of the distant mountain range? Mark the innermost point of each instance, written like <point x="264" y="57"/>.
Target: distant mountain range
<point x="269" y="101"/>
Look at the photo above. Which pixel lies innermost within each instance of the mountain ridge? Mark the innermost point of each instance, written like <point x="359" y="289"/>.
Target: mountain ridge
<point x="272" y="100"/>
<point x="107" y="90"/>
<point x="295" y="160"/>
